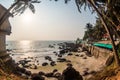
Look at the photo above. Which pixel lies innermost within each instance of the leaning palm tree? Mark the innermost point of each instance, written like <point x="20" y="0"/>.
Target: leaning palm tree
<point x="18" y="7"/>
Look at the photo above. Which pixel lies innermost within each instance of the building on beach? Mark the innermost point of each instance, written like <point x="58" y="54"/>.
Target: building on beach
<point x="5" y="29"/>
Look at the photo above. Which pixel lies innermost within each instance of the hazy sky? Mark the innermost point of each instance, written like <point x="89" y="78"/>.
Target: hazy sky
<point x="51" y="21"/>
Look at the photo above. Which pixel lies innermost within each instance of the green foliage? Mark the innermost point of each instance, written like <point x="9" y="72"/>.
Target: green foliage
<point x="78" y="41"/>
<point x="95" y="32"/>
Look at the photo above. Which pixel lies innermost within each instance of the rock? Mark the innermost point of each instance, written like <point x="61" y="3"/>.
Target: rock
<point x="63" y="51"/>
<point x="52" y="63"/>
<point x="92" y="72"/>
<point x="18" y="73"/>
<point x="41" y="73"/>
<point x="44" y="64"/>
<point x="49" y="74"/>
<point x="77" y="55"/>
<point x="81" y="55"/>
<point x="85" y="73"/>
<point x="37" y="77"/>
<point x="51" y="46"/>
<point x="26" y="65"/>
<point x="68" y="61"/>
<point x="70" y="54"/>
<point x="23" y="62"/>
<point x="28" y="73"/>
<point x="71" y="74"/>
<point x="59" y="55"/>
<point x="69" y="65"/>
<point x="35" y="67"/>
<point x="61" y="60"/>
<point x="48" y="58"/>
<point x="55" y="70"/>
<point x="84" y="57"/>
<point x="55" y="52"/>
<point x="60" y="48"/>
<point x="58" y="76"/>
<point x="22" y="70"/>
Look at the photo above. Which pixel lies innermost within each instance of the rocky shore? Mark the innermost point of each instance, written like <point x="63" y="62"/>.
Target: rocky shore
<point x="70" y="65"/>
<point x="83" y="65"/>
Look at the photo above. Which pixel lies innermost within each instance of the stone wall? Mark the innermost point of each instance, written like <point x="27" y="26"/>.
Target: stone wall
<point x="100" y="53"/>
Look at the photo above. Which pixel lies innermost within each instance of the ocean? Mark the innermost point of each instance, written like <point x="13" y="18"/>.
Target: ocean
<point x="35" y="49"/>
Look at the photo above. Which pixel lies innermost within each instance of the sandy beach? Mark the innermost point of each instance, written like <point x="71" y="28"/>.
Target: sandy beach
<point x="80" y="61"/>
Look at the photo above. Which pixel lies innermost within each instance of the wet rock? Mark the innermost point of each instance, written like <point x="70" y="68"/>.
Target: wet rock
<point x="41" y="73"/>
<point x="23" y="62"/>
<point x="49" y="74"/>
<point x="70" y="54"/>
<point x="59" y="55"/>
<point x="55" y="70"/>
<point x="71" y="74"/>
<point x="52" y="63"/>
<point x="48" y="58"/>
<point x="51" y="46"/>
<point x="62" y="51"/>
<point x="44" y="64"/>
<point x="61" y="60"/>
<point x="55" y="52"/>
<point x="37" y="77"/>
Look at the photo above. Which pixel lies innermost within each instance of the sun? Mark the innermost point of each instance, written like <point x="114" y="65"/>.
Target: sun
<point x="27" y="17"/>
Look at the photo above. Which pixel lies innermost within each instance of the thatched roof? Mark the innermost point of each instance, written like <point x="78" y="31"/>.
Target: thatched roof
<point x="5" y="27"/>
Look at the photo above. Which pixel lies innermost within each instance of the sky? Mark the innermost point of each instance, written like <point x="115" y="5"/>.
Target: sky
<point x="51" y="21"/>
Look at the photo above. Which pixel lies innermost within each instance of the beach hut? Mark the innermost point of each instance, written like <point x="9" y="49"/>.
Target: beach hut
<point x="5" y="29"/>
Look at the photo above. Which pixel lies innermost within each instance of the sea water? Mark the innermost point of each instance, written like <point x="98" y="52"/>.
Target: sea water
<point x="34" y="49"/>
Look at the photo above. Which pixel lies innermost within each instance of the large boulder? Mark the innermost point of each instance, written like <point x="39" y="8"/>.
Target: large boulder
<point x="71" y="74"/>
<point x="37" y="77"/>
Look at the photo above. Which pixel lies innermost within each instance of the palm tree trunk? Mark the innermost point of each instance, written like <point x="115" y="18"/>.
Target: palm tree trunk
<point x="114" y="25"/>
<point x="108" y="31"/>
<point x="6" y="14"/>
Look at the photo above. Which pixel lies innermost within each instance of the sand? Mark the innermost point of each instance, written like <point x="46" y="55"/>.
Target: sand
<point x="81" y="63"/>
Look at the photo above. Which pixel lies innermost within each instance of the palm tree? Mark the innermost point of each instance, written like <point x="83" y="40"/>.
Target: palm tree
<point x="93" y="4"/>
<point x="18" y="8"/>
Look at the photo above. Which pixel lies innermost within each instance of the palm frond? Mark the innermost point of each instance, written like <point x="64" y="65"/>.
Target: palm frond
<point x="31" y="7"/>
